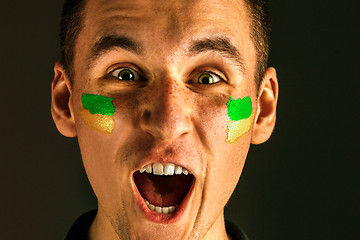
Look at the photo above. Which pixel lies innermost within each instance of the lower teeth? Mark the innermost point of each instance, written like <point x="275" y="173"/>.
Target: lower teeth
<point x="165" y="210"/>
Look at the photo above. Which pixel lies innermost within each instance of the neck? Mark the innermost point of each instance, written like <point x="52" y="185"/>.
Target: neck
<point x="101" y="228"/>
<point x="218" y="229"/>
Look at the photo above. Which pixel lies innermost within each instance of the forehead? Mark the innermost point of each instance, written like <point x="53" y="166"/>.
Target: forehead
<point x="169" y="21"/>
<point x="173" y="15"/>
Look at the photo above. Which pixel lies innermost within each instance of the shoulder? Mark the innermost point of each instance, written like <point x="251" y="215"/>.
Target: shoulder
<point x="235" y="232"/>
<point x="79" y="230"/>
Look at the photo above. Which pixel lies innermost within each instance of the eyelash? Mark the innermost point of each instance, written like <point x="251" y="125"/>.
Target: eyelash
<point x="198" y="75"/>
<point x="140" y="78"/>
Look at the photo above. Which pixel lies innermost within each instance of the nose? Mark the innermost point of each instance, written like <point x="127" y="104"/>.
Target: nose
<point x="166" y="113"/>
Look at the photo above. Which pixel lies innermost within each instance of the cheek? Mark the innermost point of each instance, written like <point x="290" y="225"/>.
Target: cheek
<point x="241" y="116"/>
<point x="211" y="120"/>
<point x="225" y="161"/>
<point x="225" y="119"/>
<point x="100" y="123"/>
<point x="237" y="129"/>
<point x="97" y="112"/>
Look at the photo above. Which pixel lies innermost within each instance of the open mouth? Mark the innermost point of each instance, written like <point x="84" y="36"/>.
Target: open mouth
<point x="163" y="187"/>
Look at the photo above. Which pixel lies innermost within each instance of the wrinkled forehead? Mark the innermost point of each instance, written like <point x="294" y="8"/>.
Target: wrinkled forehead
<point x="166" y="20"/>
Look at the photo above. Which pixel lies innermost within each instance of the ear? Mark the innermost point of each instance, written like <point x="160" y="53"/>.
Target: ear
<point x="61" y="104"/>
<point x="266" y="113"/>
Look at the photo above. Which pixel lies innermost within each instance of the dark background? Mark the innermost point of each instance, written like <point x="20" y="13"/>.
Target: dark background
<point x="302" y="184"/>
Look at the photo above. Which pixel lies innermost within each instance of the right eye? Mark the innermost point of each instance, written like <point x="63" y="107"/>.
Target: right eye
<point x="208" y="79"/>
<point x="125" y="74"/>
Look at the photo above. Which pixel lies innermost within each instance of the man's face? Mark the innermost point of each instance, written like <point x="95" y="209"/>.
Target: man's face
<point x="167" y="110"/>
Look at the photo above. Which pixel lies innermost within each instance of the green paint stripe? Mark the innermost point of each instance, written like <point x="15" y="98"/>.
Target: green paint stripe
<point x="97" y="104"/>
<point x="239" y="109"/>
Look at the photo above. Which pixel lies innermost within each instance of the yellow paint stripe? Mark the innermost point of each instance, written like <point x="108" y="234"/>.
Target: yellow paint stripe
<point x="237" y="129"/>
<point x="101" y="123"/>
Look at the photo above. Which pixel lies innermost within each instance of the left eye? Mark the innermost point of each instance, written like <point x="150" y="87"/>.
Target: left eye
<point x="125" y="74"/>
<point x="208" y="78"/>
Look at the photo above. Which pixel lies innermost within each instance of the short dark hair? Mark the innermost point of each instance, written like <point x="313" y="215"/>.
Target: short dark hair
<point x="72" y="21"/>
<point x="260" y="34"/>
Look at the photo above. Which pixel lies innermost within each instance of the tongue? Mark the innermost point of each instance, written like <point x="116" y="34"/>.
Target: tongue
<point x="163" y="191"/>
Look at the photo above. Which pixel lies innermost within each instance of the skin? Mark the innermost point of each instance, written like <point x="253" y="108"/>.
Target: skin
<point x="169" y="115"/>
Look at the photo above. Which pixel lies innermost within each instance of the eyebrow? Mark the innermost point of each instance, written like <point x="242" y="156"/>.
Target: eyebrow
<point x="222" y="45"/>
<point x="111" y="42"/>
<point x="219" y="44"/>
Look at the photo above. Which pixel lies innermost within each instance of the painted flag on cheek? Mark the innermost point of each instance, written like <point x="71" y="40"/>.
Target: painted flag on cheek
<point x="240" y="113"/>
<point x="97" y="112"/>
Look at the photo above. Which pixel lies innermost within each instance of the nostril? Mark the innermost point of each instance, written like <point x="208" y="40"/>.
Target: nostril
<point x="145" y="123"/>
<point x="145" y="115"/>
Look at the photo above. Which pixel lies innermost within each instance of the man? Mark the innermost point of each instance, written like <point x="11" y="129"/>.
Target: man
<point x="165" y="98"/>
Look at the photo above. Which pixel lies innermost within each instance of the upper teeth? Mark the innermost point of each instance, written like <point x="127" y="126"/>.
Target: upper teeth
<point x="167" y="169"/>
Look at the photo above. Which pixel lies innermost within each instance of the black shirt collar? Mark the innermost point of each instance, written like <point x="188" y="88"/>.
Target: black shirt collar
<point x="81" y="226"/>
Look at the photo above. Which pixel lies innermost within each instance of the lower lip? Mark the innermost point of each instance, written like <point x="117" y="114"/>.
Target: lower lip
<point x="161" y="217"/>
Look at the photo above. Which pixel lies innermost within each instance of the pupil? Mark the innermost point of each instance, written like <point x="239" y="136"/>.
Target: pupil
<point x="126" y="75"/>
<point x="205" y="80"/>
